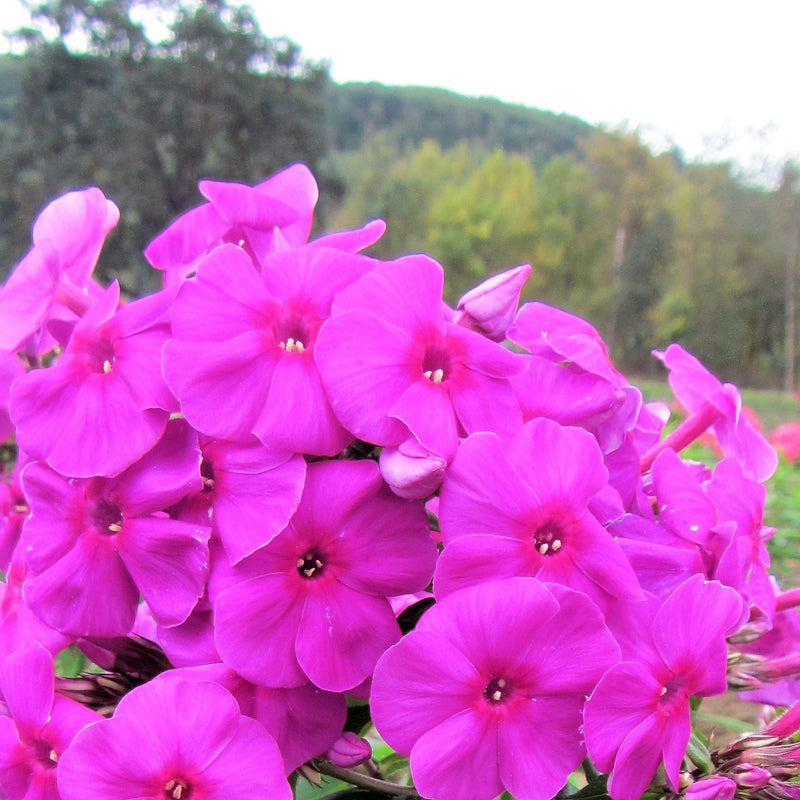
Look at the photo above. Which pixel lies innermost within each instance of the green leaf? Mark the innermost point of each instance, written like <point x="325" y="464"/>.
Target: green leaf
<point x="699" y="754"/>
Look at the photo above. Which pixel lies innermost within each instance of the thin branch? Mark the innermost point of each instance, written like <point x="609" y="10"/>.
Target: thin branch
<point x="367" y="782"/>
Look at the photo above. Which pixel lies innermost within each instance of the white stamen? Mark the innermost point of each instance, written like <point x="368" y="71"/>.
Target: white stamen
<point x="318" y="563"/>
<point x="20" y="509"/>
<point x="663" y="690"/>
<point x="300" y="562"/>
<point x="241" y="242"/>
<point x="115" y="527"/>
<point x="498" y="695"/>
<point x="53" y="756"/>
<point x="106" y="366"/>
<point x="435" y="375"/>
<point x="556" y="546"/>
<point x="308" y="572"/>
<point x="501" y="682"/>
<point x="169" y="785"/>
<point x="292" y="345"/>
<point x="543" y="548"/>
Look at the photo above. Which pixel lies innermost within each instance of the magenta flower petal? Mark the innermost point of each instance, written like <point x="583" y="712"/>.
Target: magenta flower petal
<point x="675" y="739"/>
<point x="690" y="629"/>
<point x="638" y="760"/>
<point x="355" y="240"/>
<point x="387" y="362"/>
<point x="553" y="472"/>
<point x="73" y="594"/>
<point x="255" y="628"/>
<point x="426" y="410"/>
<point x="469" y="395"/>
<point x="168" y="560"/>
<point x="482" y="557"/>
<point x="532" y="767"/>
<point x="221" y="394"/>
<point x="386" y="548"/>
<point x="255" y="492"/>
<point x="26" y="686"/>
<point x="458" y="759"/>
<point x="250" y="765"/>
<point x="15" y="771"/>
<point x="624" y="698"/>
<point x="342" y="634"/>
<point x="406" y="293"/>
<point x="435" y="680"/>
<point x="468" y="501"/>
<point x="297" y="416"/>
<point x="226" y="299"/>
<point x="164" y="475"/>
<point x="99" y="764"/>
<point x="173" y="716"/>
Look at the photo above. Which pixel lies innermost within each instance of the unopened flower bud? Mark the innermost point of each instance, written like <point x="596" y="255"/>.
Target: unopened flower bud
<point x="349" y="750"/>
<point x="412" y="471"/>
<point x="491" y="306"/>
<point x="751" y="777"/>
<point x="715" y="788"/>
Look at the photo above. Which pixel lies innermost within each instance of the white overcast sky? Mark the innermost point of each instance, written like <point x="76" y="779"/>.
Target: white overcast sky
<point x="718" y="79"/>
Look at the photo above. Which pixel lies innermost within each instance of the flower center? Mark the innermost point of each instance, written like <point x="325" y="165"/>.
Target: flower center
<point x="434" y="375"/>
<point x="548" y="540"/>
<point x="207" y="475"/>
<point x="177" y="789"/>
<point x="498" y="690"/>
<point x="101" y="356"/>
<point x="106" y="516"/>
<point x="44" y="754"/>
<point x="310" y="565"/>
<point x="292" y="345"/>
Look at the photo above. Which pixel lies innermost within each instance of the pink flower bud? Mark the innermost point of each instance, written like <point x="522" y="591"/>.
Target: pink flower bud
<point x="491" y="306"/>
<point x="349" y="750"/>
<point x="750" y="777"/>
<point x="411" y="471"/>
<point x="714" y="788"/>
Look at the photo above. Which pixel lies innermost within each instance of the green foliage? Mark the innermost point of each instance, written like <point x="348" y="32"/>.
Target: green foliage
<point x="408" y="116"/>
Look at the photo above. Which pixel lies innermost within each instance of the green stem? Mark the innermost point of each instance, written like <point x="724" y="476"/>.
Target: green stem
<point x="365" y="781"/>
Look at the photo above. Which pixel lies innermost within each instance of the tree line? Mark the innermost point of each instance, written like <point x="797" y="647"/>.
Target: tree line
<point x="649" y="248"/>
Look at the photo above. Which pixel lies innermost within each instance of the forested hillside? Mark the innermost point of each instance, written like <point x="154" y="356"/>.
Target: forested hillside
<point x="649" y="248"/>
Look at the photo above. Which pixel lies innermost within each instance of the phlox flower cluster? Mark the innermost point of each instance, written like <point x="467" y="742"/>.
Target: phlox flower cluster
<point x="294" y="505"/>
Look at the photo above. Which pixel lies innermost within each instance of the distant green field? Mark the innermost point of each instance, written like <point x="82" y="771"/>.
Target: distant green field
<point x="783" y="490"/>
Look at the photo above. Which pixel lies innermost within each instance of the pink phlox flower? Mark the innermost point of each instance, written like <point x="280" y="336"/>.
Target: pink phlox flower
<point x="40" y="727"/>
<point x="174" y="738"/>
<point x="493" y="680"/>
<point x="639" y="714"/>
<point x="695" y="386"/>
<point x="742" y="559"/>
<point x="563" y="337"/>
<point x="92" y="546"/>
<point x="250" y="217"/>
<point x="304" y="720"/>
<point x="104" y="403"/>
<point x="491" y="306"/>
<point x="19" y="626"/>
<point x="717" y="787"/>
<point x="54" y="278"/>
<point x="786" y="439"/>
<point x="313" y="603"/>
<point x="392" y="364"/>
<point x="243" y="357"/>
<point x="531" y="518"/>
